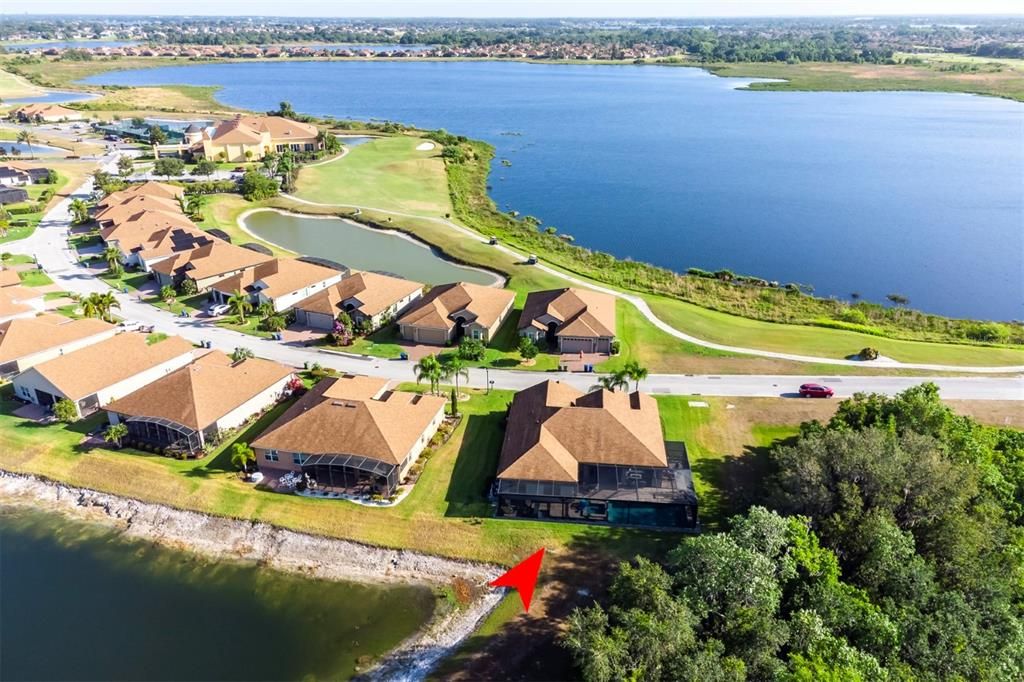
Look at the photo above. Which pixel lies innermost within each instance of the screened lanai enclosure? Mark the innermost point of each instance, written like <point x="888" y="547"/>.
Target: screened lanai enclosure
<point x="609" y="493"/>
<point x="163" y="433"/>
<point x="352" y="474"/>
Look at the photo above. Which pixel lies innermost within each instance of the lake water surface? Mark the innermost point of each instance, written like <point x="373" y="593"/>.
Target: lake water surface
<point x="920" y="194"/>
<point x="79" y="603"/>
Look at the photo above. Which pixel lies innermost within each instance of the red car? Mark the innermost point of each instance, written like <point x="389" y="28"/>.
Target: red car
<point x="815" y="391"/>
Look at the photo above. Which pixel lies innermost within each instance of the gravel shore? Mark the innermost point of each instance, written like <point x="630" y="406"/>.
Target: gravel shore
<point x="285" y="550"/>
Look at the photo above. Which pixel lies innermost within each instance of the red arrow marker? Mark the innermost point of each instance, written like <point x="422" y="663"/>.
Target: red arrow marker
<point x="522" y="577"/>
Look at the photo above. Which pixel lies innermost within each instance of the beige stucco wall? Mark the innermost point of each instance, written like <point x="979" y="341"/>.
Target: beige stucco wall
<point x="263" y="399"/>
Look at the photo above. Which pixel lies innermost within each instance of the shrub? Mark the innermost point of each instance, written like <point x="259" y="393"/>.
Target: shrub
<point x="188" y="287"/>
<point x="256" y="186"/>
<point x="853" y="316"/>
<point x="472" y="349"/>
<point x="527" y="348"/>
<point x="868" y="353"/>
<point x="65" y="411"/>
<point x="274" y="323"/>
<point x="989" y="332"/>
<point x="616" y="346"/>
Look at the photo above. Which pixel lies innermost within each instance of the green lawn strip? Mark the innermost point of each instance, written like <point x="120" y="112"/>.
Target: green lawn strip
<point x="447" y="512"/>
<point x="16" y="259"/>
<point x="250" y="326"/>
<point x="680" y="422"/>
<point x="710" y="325"/>
<point x="222" y="212"/>
<point x="388" y="172"/>
<point x="192" y="304"/>
<point x="34" y="278"/>
<point x="132" y="281"/>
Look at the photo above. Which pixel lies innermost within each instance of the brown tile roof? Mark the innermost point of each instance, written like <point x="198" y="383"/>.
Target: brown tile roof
<point x="19" y="338"/>
<point x="216" y="258"/>
<point x="580" y="312"/>
<point x="199" y="394"/>
<point x="279" y="276"/>
<point x="11" y="306"/>
<point x="130" y="206"/>
<point x="149" y="188"/>
<point x="248" y="130"/>
<point x="439" y="308"/>
<point x="136" y="228"/>
<point x="9" y="278"/>
<point x="23" y="166"/>
<point x="552" y="428"/>
<point x="87" y="370"/>
<point x="375" y="293"/>
<point x="384" y="428"/>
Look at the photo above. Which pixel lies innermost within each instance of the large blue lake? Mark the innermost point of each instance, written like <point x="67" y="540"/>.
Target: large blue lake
<point x="920" y="194"/>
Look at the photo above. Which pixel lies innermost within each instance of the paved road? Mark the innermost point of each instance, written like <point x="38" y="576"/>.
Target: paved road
<point x="49" y="245"/>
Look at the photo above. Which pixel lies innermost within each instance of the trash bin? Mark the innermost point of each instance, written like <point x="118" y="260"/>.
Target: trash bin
<point x="404" y="356"/>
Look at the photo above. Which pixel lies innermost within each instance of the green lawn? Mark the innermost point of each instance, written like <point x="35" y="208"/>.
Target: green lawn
<point x="711" y="325"/>
<point x="34" y="278"/>
<point x="24" y="224"/>
<point x="15" y="259"/>
<point x="681" y="422"/>
<point x="447" y="513"/>
<point x="388" y="173"/>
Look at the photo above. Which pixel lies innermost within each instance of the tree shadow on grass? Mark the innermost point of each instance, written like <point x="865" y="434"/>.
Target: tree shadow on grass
<point x="475" y="465"/>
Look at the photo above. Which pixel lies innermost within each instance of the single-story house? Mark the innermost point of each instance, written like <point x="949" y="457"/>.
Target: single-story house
<point x="449" y="311"/>
<point x="40" y="112"/>
<point x="98" y="374"/>
<point x="129" y="207"/>
<point x="571" y="320"/>
<point x="20" y="173"/>
<point x="207" y="264"/>
<point x="150" y="188"/>
<point x="282" y="282"/>
<point x="29" y="341"/>
<point x="352" y="433"/>
<point x="192" y="406"/>
<point x="599" y="457"/>
<point x="152" y="236"/>
<point x="17" y="301"/>
<point x="369" y="299"/>
<point x="12" y="195"/>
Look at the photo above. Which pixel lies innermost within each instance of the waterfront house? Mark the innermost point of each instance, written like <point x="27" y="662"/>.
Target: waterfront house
<point x="45" y="113"/>
<point x="449" y="311"/>
<point x="571" y="320"/>
<point x="20" y="173"/>
<point x="369" y="299"/>
<point x="29" y="341"/>
<point x="191" y="407"/>
<point x="282" y="282"/>
<point x="598" y="457"/>
<point x="206" y="265"/>
<point x="250" y="138"/>
<point x="351" y="433"/>
<point x="100" y="373"/>
<point x="12" y="195"/>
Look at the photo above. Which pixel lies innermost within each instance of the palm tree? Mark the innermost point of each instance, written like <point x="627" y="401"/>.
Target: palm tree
<point x="107" y="302"/>
<point x="91" y="306"/>
<point x="265" y="310"/>
<point x="636" y="372"/>
<point x="615" y="380"/>
<point x="239" y="302"/>
<point x="429" y="369"/>
<point x="115" y="432"/>
<point x="27" y="138"/>
<point x="168" y="294"/>
<point x="454" y="368"/>
<point x="80" y="211"/>
<point x="112" y="255"/>
<point x="241" y="455"/>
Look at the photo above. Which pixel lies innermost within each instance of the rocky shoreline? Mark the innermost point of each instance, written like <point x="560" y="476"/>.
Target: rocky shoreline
<point x="284" y="550"/>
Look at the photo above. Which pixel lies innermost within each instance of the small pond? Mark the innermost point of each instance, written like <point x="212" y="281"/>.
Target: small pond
<point x="361" y="248"/>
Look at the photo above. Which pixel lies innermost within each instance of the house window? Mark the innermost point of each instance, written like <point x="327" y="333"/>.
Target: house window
<point x="271" y="456"/>
<point x="309" y="147"/>
<point x="296" y="147"/>
<point x="477" y="334"/>
<point x="298" y="458"/>
<point x="281" y="147"/>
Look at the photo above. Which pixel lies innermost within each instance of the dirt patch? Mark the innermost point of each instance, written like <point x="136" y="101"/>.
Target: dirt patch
<point x="992" y="412"/>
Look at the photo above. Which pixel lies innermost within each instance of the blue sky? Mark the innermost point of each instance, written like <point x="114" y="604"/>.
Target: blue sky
<point x="523" y="8"/>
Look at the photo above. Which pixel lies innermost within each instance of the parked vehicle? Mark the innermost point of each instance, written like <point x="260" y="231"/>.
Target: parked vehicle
<point x="532" y="260"/>
<point x="129" y="325"/>
<point x="815" y="391"/>
<point x="219" y="309"/>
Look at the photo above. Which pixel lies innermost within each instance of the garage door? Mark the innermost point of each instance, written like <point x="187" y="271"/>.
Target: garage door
<point x="45" y="399"/>
<point x="577" y="345"/>
<point x="319" y="321"/>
